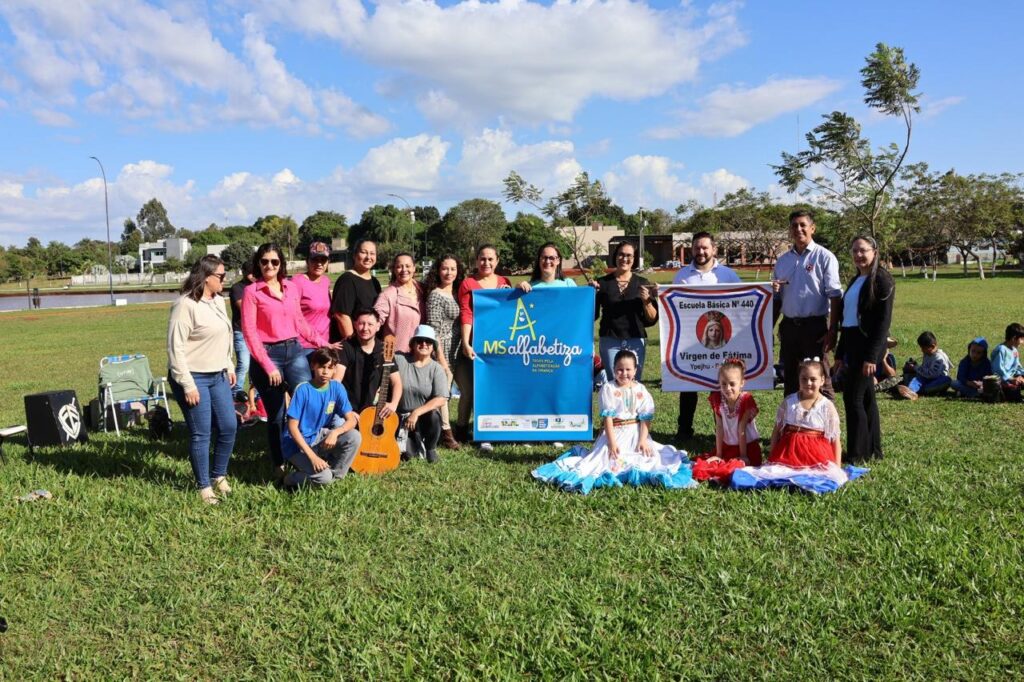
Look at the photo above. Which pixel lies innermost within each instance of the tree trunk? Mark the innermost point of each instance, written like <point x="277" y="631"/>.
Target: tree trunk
<point x="981" y="267"/>
<point x="994" y="254"/>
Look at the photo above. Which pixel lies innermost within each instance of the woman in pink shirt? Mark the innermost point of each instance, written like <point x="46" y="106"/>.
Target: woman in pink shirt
<point x="315" y="293"/>
<point x="272" y="324"/>
<point x="485" y="277"/>
<point x="400" y="306"/>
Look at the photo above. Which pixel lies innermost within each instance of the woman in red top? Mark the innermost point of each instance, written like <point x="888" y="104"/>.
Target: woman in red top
<point x="485" y="277"/>
<point x="272" y="323"/>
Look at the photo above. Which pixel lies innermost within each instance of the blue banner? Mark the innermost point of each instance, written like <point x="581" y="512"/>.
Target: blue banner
<point x="533" y="375"/>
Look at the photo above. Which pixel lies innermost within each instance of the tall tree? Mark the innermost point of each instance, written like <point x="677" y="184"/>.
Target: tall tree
<point x="322" y="226"/>
<point x="847" y="172"/>
<point x="282" y="230"/>
<point x="472" y="223"/>
<point x="153" y="222"/>
<point x="389" y="226"/>
<point x="237" y="255"/>
<point x="524" y="237"/>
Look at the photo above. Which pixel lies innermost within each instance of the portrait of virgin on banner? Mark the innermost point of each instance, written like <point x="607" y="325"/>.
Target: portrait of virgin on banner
<point x="702" y="326"/>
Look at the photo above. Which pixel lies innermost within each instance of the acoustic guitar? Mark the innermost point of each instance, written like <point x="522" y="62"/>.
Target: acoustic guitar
<point x="378" y="452"/>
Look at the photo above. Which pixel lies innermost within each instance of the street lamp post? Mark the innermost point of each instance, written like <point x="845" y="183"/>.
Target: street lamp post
<point x="110" y="253"/>
<point x="643" y="226"/>
<point x="412" y="217"/>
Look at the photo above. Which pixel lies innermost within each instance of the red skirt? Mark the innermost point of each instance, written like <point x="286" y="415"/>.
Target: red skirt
<point x="721" y="472"/>
<point x="802" y="449"/>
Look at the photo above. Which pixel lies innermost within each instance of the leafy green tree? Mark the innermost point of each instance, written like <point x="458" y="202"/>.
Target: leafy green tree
<point x="247" y="234"/>
<point x="210" y="236"/>
<point x="472" y="223"/>
<point x="848" y="173"/>
<point x="61" y="259"/>
<point x="283" y="231"/>
<point x="322" y="226"/>
<point x="524" y="237"/>
<point x="237" y="255"/>
<point x="388" y="226"/>
<point x="153" y="222"/>
<point x="193" y="255"/>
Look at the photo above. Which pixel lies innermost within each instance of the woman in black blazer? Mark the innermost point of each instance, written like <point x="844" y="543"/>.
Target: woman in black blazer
<point x="865" y="319"/>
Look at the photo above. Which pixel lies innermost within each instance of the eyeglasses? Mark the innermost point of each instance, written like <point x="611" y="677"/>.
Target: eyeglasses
<point x="269" y="261"/>
<point x="219" y="275"/>
<point x="625" y="256"/>
<point x="550" y="258"/>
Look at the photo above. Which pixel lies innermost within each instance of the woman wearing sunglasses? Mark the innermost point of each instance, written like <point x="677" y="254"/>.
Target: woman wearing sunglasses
<point x="199" y="364"/>
<point x="272" y="324"/>
<point x="424" y="392"/>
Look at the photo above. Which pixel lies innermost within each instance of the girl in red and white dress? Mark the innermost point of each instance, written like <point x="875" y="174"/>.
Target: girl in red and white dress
<point x="806" y="430"/>
<point x="737" y="441"/>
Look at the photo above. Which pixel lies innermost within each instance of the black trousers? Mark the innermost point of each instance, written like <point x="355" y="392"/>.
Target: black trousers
<point x="428" y="429"/>
<point x="799" y="339"/>
<point x="863" y="427"/>
<point x="687" y="408"/>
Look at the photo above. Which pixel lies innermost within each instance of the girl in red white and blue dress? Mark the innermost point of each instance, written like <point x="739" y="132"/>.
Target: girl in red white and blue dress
<point x="806" y="430"/>
<point x="737" y="441"/>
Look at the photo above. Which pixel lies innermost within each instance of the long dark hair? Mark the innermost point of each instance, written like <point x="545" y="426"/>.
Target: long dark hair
<point x="871" y="280"/>
<point x="536" y="262"/>
<point x="433" y="279"/>
<point x="195" y="284"/>
<point x="257" y="271"/>
<point x="394" y="264"/>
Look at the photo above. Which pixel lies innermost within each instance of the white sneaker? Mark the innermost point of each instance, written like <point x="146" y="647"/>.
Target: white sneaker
<point x="486" y="447"/>
<point x="558" y="444"/>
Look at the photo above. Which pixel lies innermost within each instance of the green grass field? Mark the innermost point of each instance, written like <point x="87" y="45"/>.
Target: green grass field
<point x="470" y="570"/>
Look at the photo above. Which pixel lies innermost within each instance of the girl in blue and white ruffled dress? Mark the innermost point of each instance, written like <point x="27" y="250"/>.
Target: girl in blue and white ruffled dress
<point x="624" y="453"/>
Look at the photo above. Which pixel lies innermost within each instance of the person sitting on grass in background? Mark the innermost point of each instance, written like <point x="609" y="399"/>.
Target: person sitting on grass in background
<point x="807" y="428"/>
<point x="973" y="369"/>
<point x="737" y="442"/>
<point x="1006" y="363"/>
<point x="320" y="451"/>
<point x="931" y="376"/>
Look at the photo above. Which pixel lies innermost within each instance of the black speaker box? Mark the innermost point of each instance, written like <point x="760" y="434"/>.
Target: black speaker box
<point x="54" y="418"/>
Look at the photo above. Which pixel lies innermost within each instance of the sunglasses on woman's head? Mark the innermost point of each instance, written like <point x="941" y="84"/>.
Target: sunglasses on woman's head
<point x="270" y="261"/>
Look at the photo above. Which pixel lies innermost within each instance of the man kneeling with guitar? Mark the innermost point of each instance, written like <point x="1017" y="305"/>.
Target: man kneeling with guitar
<point x="319" y="449"/>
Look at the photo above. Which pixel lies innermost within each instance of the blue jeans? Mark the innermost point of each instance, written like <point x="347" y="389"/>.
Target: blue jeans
<point x="965" y="390"/>
<point x="609" y="346"/>
<point x="290" y="359"/>
<point x="215" y="409"/>
<point x="241" y="361"/>
<point x="929" y="386"/>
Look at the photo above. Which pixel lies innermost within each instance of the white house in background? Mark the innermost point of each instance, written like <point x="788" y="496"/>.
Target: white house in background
<point x="157" y="253"/>
<point x="216" y="249"/>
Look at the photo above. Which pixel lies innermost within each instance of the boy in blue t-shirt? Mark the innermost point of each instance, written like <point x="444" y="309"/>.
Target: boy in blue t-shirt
<point x="319" y="453"/>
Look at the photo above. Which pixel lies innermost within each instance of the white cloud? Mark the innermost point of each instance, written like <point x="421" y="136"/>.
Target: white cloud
<point x="654" y="182"/>
<point x="729" y="110"/>
<point x="49" y="117"/>
<point x="931" y="108"/>
<point x="527" y="60"/>
<point x="412" y="163"/>
<point x="488" y="157"/>
<point x="141" y="61"/>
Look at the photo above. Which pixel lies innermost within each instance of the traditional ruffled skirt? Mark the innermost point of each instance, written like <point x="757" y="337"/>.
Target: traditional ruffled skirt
<point x="580" y="470"/>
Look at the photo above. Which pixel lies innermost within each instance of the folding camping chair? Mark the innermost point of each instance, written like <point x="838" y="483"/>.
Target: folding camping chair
<point x="126" y="379"/>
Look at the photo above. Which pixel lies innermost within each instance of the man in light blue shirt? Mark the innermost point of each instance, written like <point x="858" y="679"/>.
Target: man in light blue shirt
<point x="703" y="268"/>
<point x="806" y="279"/>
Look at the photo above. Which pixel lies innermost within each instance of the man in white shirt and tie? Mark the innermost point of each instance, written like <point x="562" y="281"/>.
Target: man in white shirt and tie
<point x="703" y="268"/>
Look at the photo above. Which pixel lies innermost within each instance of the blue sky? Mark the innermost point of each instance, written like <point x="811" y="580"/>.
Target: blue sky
<point x="229" y="111"/>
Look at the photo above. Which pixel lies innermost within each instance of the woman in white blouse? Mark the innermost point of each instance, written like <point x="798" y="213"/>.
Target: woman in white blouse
<point x="202" y="373"/>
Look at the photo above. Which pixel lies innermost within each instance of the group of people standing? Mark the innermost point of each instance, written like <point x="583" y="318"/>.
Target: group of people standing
<point x="279" y="322"/>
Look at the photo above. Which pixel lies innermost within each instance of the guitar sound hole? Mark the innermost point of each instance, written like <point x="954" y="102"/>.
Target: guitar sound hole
<point x="378" y="429"/>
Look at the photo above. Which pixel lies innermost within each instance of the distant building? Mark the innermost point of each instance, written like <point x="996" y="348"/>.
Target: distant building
<point x="216" y="249"/>
<point x="658" y="245"/>
<point x="339" y="254"/>
<point x="156" y="253"/>
<point x="594" y="240"/>
<point x="740" y="247"/>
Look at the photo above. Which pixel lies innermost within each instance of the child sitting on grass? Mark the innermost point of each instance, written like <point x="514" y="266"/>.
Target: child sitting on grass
<point x="320" y="454"/>
<point x="737" y="442"/>
<point x="931" y="376"/>
<point x="973" y="369"/>
<point x="806" y="429"/>
<point x="1006" y="363"/>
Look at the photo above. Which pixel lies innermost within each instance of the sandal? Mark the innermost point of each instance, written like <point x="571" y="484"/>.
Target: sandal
<point x="221" y="484"/>
<point x="207" y="495"/>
